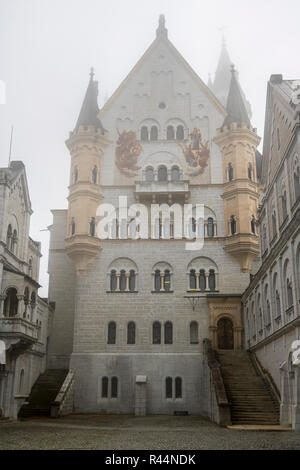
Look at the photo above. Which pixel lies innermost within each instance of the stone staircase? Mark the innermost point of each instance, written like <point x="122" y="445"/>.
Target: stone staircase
<point x="250" y="397"/>
<point x="43" y="393"/>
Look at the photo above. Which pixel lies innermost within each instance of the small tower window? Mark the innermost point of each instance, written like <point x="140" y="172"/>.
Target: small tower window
<point x="180" y="133"/>
<point x="253" y="225"/>
<point x="112" y="333"/>
<point x="73" y="227"/>
<point x="290" y="298"/>
<point x="154" y="133"/>
<point x="156" y="333"/>
<point x="75" y="175"/>
<point x="170" y="133"/>
<point x="250" y="172"/>
<point x="95" y="175"/>
<point x="144" y="134"/>
<point x="92" y="227"/>
<point x="230" y="172"/>
<point x="232" y="225"/>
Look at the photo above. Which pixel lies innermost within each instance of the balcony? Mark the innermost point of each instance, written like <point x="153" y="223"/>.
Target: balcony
<point x="18" y="334"/>
<point x="162" y="191"/>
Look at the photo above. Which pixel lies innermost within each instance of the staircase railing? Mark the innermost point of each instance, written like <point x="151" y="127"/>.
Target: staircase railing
<point x="63" y="403"/>
<point x="266" y="377"/>
<point x="218" y="384"/>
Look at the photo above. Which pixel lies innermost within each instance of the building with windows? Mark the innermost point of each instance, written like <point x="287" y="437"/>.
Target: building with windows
<point x="24" y="316"/>
<point x="272" y="300"/>
<point x="132" y="312"/>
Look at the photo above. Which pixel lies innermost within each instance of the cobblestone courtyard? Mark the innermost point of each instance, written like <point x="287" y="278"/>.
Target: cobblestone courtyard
<point x="131" y="433"/>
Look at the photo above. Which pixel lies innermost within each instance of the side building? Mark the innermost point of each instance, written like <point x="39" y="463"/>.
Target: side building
<point x="271" y="312"/>
<point x="24" y="316"/>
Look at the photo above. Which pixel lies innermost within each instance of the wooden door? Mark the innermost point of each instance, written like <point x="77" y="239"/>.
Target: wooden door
<point x="225" y="334"/>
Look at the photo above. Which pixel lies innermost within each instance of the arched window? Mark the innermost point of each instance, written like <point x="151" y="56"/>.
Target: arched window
<point x="122" y="281"/>
<point x="212" y="280"/>
<point x="104" y="387"/>
<point x="268" y="316"/>
<point x="131" y="333"/>
<point x="144" y="133"/>
<point x="112" y="333"/>
<point x="180" y="133"/>
<point x="169" y="387"/>
<point x="26" y="301"/>
<point x="175" y="173"/>
<point x="202" y="280"/>
<point x="194" y="336"/>
<point x="157" y="283"/>
<point x="95" y="175"/>
<point x="21" y="382"/>
<point x="73" y="227"/>
<point x="167" y="280"/>
<point x="230" y="172"/>
<point x="154" y="133"/>
<point x="162" y="174"/>
<point x="132" y="281"/>
<point x="253" y="225"/>
<point x="250" y="172"/>
<point x="170" y="133"/>
<point x="149" y="174"/>
<point x="210" y="227"/>
<point x="75" y="175"/>
<point x="284" y="206"/>
<point x="11" y="303"/>
<point x="178" y="387"/>
<point x="192" y="279"/>
<point x="289" y="290"/>
<point x="114" y="387"/>
<point x="232" y="225"/>
<point x="113" y="280"/>
<point x="168" y="333"/>
<point x="92" y="226"/>
<point x="297" y="183"/>
<point x="274" y="225"/>
<point x="8" y="237"/>
<point x="278" y="304"/>
<point x="156" y="333"/>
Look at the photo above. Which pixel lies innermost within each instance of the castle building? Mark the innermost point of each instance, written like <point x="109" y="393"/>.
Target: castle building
<point x="24" y="316"/>
<point x="132" y="314"/>
<point x="272" y="300"/>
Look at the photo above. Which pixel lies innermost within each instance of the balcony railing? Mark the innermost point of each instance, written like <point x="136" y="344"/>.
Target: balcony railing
<point x="15" y="326"/>
<point x="150" y="189"/>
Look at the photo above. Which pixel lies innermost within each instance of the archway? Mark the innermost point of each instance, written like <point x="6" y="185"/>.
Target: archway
<point x="225" y="334"/>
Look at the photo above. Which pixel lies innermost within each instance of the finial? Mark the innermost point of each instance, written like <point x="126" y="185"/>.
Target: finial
<point x="162" y="30"/>
<point x="92" y="73"/>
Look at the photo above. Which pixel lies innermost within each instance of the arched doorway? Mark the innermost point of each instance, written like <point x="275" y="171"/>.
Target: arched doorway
<point x="225" y="334"/>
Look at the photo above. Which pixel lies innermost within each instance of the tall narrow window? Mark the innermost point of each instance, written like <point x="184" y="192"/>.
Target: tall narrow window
<point x="144" y="133"/>
<point x="290" y="298"/>
<point x="250" y="172"/>
<point x="167" y="281"/>
<point x="162" y="174"/>
<point x="178" y="387"/>
<point x="210" y="227"/>
<point x="132" y="281"/>
<point x="168" y="333"/>
<point x="75" y="175"/>
<point x="180" y="133"/>
<point x="169" y="387"/>
<point x="274" y="225"/>
<point x="156" y="333"/>
<point x="113" y="280"/>
<point x="11" y="303"/>
<point x="170" y="133"/>
<point x="202" y="280"/>
<point x="104" y="387"/>
<point x="194" y="337"/>
<point x="149" y="174"/>
<point x="157" y="283"/>
<point x="212" y="280"/>
<point x="284" y="206"/>
<point x="278" y="304"/>
<point x="192" y="279"/>
<point x="154" y="133"/>
<point x="253" y="225"/>
<point x="95" y="175"/>
<point x="297" y="183"/>
<point x="92" y="227"/>
<point x="230" y="172"/>
<point x="114" y="387"/>
<point x="131" y="333"/>
<point x="112" y="333"/>
<point x="175" y="173"/>
<point x="73" y="227"/>
<point x="122" y="281"/>
<point x="232" y="225"/>
<point x="26" y="301"/>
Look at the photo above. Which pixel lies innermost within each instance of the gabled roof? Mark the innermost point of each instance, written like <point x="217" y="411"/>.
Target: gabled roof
<point x="236" y="108"/>
<point x="162" y="36"/>
<point x="15" y="170"/>
<point x="88" y="115"/>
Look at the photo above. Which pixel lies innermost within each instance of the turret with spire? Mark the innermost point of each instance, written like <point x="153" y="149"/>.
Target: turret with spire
<point x="238" y="142"/>
<point x="86" y="145"/>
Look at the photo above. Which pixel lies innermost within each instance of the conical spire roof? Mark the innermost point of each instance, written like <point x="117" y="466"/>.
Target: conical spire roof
<point x="222" y="76"/>
<point x="88" y="115"/>
<point x="236" y="108"/>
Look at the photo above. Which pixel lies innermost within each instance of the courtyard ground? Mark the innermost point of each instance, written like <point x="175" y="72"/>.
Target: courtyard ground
<point x="134" y="433"/>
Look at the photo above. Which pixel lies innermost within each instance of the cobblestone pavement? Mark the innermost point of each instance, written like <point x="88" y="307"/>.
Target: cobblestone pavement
<point x="134" y="433"/>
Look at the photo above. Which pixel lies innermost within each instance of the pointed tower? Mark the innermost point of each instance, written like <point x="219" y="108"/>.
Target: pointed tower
<point x="238" y="143"/>
<point x="86" y="145"/>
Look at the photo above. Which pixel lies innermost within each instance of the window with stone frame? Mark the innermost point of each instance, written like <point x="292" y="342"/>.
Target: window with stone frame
<point x="112" y="333"/>
<point x="194" y="332"/>
<point x="178" y="387"/>
<point x="131" y="333"/>
<point x="168" y="333"/>
<point x="169" y="387"/>
<point x="156" y="333"/>
<point x="114" y="387"/>
<point x="154" y="133"/>
<point x="104" y="387"/>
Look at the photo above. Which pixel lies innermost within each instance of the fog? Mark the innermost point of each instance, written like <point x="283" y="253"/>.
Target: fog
<point x="48" y="46"/>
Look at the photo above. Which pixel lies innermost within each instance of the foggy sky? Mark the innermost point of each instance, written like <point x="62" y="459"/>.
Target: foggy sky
<point x="48" y="46"/>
